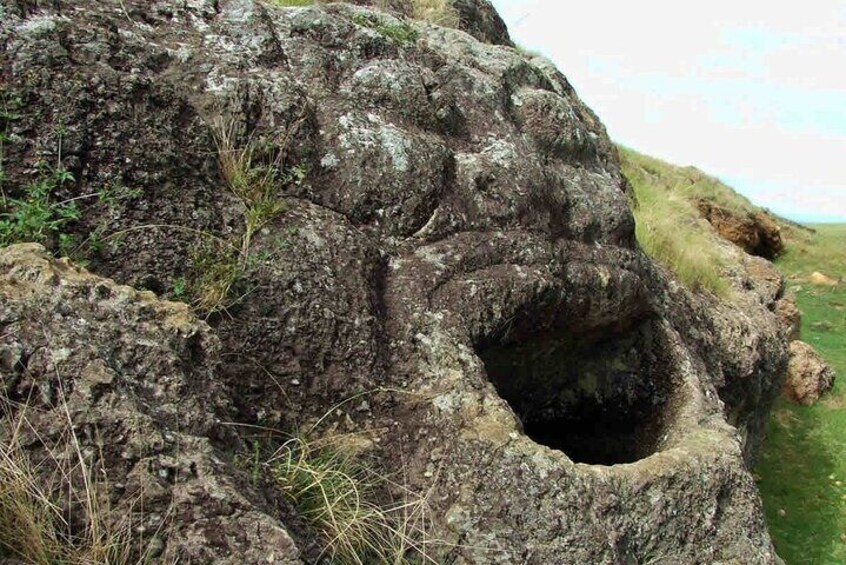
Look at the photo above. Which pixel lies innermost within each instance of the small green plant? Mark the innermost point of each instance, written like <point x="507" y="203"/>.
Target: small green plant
<point x="114" y="193"/>
<point x="37" y="216"/>
<point x="179" y="288"/>
<point x="401" y="32"/>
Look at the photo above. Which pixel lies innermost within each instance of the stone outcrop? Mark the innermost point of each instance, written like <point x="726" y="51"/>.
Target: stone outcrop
<point x="790" y="318"/>
<point x="757" y="232"/>
<point x="808" y="375"/>
<point x="137" y="378"/>
<point x="457" y="248"/>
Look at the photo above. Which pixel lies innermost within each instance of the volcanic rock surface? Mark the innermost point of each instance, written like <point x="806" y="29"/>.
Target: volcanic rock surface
<point x="458" y="250"/>
<point x="137" y="377"/>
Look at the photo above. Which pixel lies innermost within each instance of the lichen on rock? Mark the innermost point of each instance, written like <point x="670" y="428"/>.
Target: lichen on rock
<point x="459" y="253"/>
<point x="137" y="378"/>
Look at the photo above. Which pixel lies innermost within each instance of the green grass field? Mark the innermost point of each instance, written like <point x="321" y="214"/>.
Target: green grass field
<point x="802" y="467"/>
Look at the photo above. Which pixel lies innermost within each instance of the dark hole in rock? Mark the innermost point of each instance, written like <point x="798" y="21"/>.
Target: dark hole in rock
<point x="600" y="398"/>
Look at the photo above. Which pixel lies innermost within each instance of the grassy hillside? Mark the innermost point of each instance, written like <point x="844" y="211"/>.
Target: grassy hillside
<point x="803" y="464"/>
<point x="688" y="182"/>
<point x="668" y="224"/>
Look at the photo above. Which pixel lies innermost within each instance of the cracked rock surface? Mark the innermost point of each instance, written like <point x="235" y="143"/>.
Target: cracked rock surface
<point x="136" y="376"/>
<point x="459" y="251"/>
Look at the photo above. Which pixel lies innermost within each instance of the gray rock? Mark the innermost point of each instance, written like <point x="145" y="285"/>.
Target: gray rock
<point x="808" y="375"/>
<point x="460" y="253"/>
<point x="136" y="377"/>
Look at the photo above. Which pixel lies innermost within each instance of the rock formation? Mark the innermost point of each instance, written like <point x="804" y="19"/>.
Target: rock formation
<point x="790" y="318"/>
<point x="808" y="375"/>
<point x="756" y="232"/>
<point x="137" y="377"/>
<point x="455" y="247"/>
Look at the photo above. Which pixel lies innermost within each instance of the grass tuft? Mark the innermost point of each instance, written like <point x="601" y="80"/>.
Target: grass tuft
<point x="401" y="32"/>
<point x="438" y="12"/>
<point x="255" y="180"/>
<point x="358" y="514"/>
<point x="290" y="3"/>
<point x="341" y="499"/>
<point x="50" y="509"/>
<point x="254" y="173"/>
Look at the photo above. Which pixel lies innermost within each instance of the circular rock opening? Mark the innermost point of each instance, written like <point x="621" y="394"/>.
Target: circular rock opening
<point x="600" y="398"/>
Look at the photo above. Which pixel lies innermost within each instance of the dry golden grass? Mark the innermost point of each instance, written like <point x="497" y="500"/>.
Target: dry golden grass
<point x="291" y="3"/>
<point x="338" y="498"/>
<point x="51" y="508"/>
<point x="359" y="515"/>
<point x="688" y="182"/>
<point x="256" y="180"/>
<point x="438" y="12"/>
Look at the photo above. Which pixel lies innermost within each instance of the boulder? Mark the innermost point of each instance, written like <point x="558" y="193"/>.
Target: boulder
<point x="808" y="375"/>
<point x="453" y="244"/>
<point x="821" y="279"/>
<point x="789" y="317"/>
<point x="137" y="379"/>
<point x="757" y="232"/>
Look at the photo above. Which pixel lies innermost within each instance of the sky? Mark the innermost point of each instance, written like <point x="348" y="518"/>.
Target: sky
<point x="751" y="92"/>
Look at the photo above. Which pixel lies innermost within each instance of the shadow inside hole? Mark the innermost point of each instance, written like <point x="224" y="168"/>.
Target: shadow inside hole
<point x="601" y="399"/>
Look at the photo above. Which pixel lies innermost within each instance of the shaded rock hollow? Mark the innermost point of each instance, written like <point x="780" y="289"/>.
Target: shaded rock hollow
<point x="460" y="249"/>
